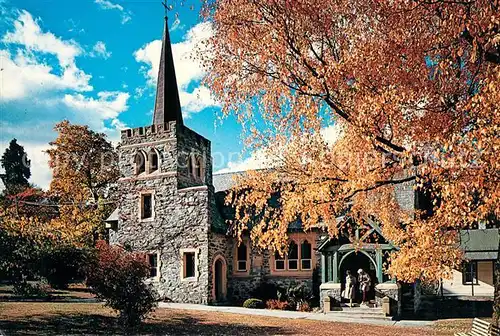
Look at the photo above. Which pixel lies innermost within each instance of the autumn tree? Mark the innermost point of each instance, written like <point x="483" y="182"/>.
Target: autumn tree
<point x="82" y="159"/>
<point x="412" y="87"/>
<point x="16" y="165"/>
<point x="85" y="168"/>
<point x="117" y="277"/>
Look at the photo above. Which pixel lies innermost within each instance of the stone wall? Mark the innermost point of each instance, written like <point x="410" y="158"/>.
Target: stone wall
<point x="405" y="193"/>
<point x="192" y="144"/>
<point x="185" y="216"/>
<point x="141" y="135"/>
<point x="180" y="216"/>
<point x="219" y="245"/>
<point x="393" y="292"/>
<point x="245" y="286"/>
<point x="333" y="291"/>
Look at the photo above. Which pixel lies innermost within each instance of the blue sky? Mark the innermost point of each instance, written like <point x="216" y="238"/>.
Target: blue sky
<point x="94" y="62"/>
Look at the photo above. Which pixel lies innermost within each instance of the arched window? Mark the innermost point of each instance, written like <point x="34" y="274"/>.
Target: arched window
<point x="190" y="165"/>
<point x="153" y="161"/>
<point x="279" y="261"/>
<point x="140" y="163"/>
<point x="199" y="168"/>
<point x="293" y="256"/>
<point x="242" y="258"/>
<point x="305" y="255"/>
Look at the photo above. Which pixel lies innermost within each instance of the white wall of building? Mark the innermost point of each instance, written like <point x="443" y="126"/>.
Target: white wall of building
<point x="455" y="287"/>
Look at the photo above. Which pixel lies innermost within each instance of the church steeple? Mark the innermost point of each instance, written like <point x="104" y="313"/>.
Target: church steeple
<point x="167" y="104"/>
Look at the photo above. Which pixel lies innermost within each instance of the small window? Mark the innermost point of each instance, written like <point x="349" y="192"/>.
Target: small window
<point x="469" y="273"/>
<point x="190" y="165"/>
<point x="199" y="168"/>
<point x="140" y="163"/>
<point x="153" y="161"/>
<point x="293" y="256"/>
<point x="189" y="264"/>
<point x="305" y="255"/>
<point x="242" y="258"/>
<point x="279" y="261"/>
<point x="146" y="206"/>
<point x="153" y="265"/>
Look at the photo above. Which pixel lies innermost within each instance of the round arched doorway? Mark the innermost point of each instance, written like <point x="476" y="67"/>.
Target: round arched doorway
<point x="353" y="261"/>
<point x="219" y="279"/>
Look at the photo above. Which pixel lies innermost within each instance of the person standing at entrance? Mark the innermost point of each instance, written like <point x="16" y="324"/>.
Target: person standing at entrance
<point x="349" y="291"/>
<point x="364" y="284"/>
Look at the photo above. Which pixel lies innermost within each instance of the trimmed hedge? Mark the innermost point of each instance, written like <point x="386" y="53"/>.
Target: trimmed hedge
<point x="254" y="303"/>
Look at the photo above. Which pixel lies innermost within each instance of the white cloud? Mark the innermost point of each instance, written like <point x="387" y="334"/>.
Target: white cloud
<point x="331" y="133"/>
<point x="27" y="32"/>
<point x="99" y="50"/>
<point x="108" y="105"/>
<point x="187" y="68"/>
<point x="196" y="101"/>
<point x="108" y="5"/>
<point x="46" y="90"/>
<point x="22" y="74"/>
<point x="257" y="160"/>
<point x="261" y="158"/>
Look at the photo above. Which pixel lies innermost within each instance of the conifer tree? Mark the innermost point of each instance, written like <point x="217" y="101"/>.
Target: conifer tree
<point x="16" y="164"/>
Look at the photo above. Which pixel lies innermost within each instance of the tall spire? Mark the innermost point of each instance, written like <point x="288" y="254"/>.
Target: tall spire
<point x="167" y="104"/>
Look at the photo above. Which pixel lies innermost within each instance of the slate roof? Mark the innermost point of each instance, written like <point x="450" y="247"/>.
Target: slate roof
<point x="225" y="181"/>
<point x="113" y="217"/>
<point x="480" y="244"/>
<point x="167" y="103"/>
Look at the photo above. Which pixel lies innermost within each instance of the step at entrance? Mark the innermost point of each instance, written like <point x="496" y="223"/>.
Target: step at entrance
<point x="360" y="313"/>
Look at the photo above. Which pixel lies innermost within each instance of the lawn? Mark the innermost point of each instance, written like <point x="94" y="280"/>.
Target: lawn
<point x="74" y="292"/>
<point x="50" y="318"/>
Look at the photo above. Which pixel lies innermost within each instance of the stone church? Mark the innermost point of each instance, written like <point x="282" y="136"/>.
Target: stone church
<point x="172" y="209"/>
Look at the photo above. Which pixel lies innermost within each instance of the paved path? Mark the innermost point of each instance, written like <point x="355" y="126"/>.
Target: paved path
<point x="294" y="315"/>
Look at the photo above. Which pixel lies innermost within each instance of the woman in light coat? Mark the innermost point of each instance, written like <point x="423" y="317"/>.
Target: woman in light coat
<point x="350" y="285"/>
<point x="364" y="284"/>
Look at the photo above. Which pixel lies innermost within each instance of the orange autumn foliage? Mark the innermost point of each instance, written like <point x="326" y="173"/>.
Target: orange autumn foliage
<point x="83" y="162"/>
<point x="413" y="89"/>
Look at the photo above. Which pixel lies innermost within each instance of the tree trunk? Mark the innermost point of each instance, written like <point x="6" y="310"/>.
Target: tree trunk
<point x="496" y="301"/>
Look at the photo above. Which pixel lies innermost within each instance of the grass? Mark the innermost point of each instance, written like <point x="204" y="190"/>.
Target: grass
<point x="44" y="318"/>
<point x="75" y="291"/>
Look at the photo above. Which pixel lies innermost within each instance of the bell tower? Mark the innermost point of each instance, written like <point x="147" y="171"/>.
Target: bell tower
<point x="166" y="193"/>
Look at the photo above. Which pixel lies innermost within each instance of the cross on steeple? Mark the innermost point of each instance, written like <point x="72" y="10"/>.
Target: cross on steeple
<point x="167" y="9"/>
<point x="167" y="104"/>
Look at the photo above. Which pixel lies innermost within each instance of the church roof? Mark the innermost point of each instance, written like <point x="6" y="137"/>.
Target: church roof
<point x="225" y="181"/>
<point x="480" y="244"/>
<point x="167" y="104"/>
<point x="113" y="217"/>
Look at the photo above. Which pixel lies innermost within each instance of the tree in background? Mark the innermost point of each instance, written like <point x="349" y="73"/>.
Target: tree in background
<point x="16" y="164"/>
<point x="82" y="161"/>
<point x="117" y="277"/>
<point x="85" y="167"/>
<point x="412" y="88"/>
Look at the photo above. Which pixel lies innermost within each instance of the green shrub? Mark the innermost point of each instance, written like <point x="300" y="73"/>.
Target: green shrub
<point x="62" y="265"/>
<point x="117" y="277"/>
<point x="296" y="295"/>
<point x="26" y="289"/>
<point x="253" y="303"/>
<point x="265" y="291"/>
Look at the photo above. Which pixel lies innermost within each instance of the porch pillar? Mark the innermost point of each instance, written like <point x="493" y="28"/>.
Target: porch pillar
<point x="323" y="268"/>
<point x="378" y="260"/>
<point x="335" y="267"/>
